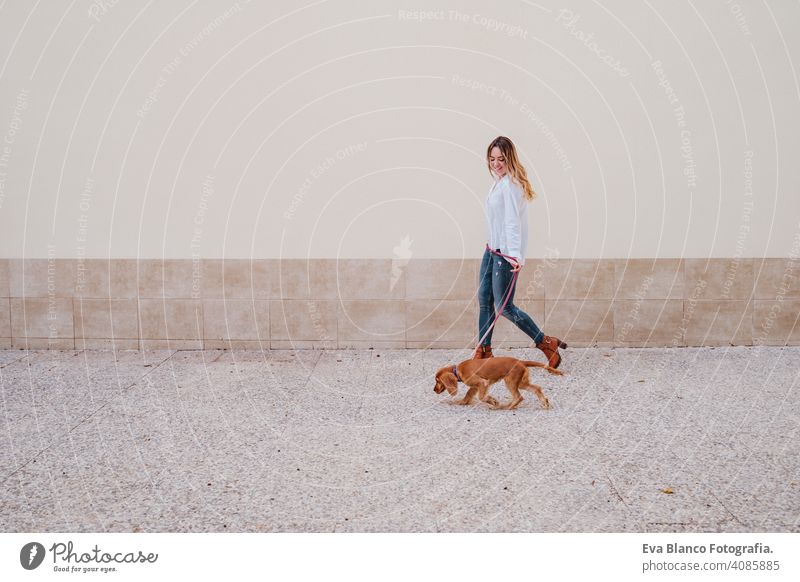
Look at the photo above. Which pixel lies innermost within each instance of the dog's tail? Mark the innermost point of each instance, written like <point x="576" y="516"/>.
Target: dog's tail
<point x="532" y="364"/>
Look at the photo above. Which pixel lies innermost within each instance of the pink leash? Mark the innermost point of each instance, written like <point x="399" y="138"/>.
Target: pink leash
<point x="508" y="294"/>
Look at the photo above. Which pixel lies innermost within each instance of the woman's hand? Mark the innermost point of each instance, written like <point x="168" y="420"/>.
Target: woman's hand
<point x="514" y="264"/>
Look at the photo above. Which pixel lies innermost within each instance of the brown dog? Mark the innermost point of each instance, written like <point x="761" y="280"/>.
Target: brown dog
<point x="479" y="375"/>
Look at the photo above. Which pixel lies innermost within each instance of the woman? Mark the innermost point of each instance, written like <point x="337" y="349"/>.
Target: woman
<point x="507" y="216"/>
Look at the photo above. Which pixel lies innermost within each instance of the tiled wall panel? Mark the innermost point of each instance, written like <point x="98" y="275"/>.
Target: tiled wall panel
<point x="417" y="303"/>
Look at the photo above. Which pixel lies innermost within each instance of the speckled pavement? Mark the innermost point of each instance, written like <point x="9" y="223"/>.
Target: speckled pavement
<point x="645" y="440"/>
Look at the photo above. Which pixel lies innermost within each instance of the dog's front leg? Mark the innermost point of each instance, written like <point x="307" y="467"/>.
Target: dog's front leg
<point x="468" y="396"/>
<point x="483" y="395"/>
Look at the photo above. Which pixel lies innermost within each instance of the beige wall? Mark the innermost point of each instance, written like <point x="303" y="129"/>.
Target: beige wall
<point x="342" y="129"/>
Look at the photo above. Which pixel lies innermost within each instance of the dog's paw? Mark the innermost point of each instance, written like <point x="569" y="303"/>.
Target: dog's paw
<point x="554" y="371"/>
<point x="492" y="402"/>
<point x="546" y="404"/>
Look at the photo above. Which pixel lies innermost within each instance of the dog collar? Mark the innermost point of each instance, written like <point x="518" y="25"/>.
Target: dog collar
<point x="455" y="373"/>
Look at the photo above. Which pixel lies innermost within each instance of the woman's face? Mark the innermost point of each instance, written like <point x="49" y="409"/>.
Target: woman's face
<point x="497" y="161"/>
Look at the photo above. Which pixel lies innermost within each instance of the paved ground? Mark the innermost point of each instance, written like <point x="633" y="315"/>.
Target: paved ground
<point x="357" y="441"/>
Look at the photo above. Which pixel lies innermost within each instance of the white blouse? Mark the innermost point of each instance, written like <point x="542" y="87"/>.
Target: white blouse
<point x="507" y="218"/>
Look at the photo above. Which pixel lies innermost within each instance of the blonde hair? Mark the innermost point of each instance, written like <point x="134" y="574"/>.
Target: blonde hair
<point x="515" y="168"/>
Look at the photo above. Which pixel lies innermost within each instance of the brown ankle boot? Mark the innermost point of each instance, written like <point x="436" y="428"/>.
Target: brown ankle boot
<point x="482" y="352"/>
<point x="549" y="345"/>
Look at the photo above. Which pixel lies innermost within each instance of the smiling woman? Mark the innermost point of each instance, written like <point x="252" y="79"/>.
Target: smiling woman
<point x="507" y="218"/>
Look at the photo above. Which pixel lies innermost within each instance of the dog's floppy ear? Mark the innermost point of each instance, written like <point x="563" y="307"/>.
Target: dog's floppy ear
<point x="450" y="382"/>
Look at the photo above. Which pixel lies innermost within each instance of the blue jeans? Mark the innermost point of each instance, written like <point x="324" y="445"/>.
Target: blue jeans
<point x="495" y="278"/>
